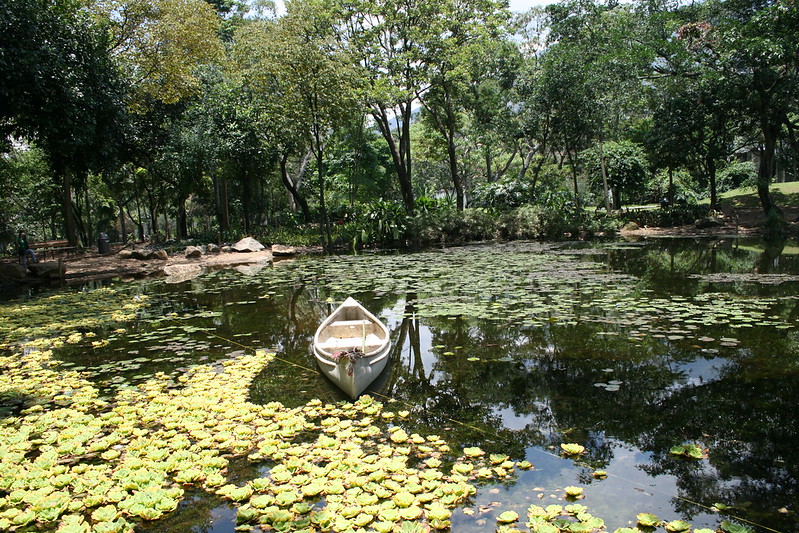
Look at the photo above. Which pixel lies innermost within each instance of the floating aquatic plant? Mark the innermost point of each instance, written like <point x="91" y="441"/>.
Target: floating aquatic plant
<point x="690" y="450"/>
<point x="647" y="520"/>
<point x="572" y="449"/>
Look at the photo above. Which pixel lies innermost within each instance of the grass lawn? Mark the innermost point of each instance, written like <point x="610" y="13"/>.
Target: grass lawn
<point x="783" y="194"/>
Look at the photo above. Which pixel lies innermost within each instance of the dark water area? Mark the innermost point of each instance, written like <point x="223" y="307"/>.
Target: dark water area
<point x="627" y="348"/>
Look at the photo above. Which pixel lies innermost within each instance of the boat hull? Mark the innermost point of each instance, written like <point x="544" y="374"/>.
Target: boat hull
<point x="352" y="347"/>
<point x="353" y="378"/>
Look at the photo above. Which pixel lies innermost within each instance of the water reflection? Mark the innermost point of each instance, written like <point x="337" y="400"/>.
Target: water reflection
<point x="626" y="383"/>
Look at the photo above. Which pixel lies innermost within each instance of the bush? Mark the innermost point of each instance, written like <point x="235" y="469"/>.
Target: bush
<point x="507" y="193"/>
<point x="671" y="216"/>
<point x="735" y="175"/>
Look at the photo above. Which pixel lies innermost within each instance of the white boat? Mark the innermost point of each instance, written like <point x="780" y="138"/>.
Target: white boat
<point x="352" y="347"/>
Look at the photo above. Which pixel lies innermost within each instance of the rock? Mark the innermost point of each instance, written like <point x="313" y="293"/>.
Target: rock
<point x="251" y="270"/>
<point x="708" y="222"/>
<point x="226" y="249"/>
<point x="248" y="244"/>
<point x="283" y="250"/>
<point x="192" y="252"/>
<point x="48" y="270"/>
<point x="631" y="226"/>
<point x="213" y="249"/>
<point x="125" y="254"/>
<point x="179" y="273"/>
<point x="142" y="254"/>
<point x="161" y="254"/>
<point x="12" y="272"/>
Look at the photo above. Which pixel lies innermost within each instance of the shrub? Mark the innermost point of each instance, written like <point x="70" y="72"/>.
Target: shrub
<point x="736" y="174"/>
<point x="671" y="216"/>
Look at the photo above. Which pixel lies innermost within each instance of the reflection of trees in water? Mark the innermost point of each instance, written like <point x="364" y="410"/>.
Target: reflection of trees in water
<point x="546" y="377"/>
<point x="535" y="386"/>
<point x="665" y="265"/>
<point x="746" y="418"/>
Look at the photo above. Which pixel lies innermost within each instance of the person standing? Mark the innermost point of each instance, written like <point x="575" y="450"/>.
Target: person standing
<point x="24" y="250"/>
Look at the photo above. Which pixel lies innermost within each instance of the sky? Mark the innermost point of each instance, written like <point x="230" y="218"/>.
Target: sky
<point x="524" y="5"/>
<point x="518" y="6"/>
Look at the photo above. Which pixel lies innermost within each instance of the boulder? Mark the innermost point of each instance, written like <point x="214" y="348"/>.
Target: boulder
<point x="709" y="222"/>
<point x="251" y="270"/>
<point x="247" y="245"/>
<point x="213" y="249"/>
<point x="180" y="273"/>
<point x="161" y="254"/>
<point x="283" y="251"/>
<point x="12" y="272"/>
<point x="48" y="270"/>
<point x="631" y="226"/>
<point x="226" y="249"/>
<point x="142" y="254"/>
<point x="192" y="252"/>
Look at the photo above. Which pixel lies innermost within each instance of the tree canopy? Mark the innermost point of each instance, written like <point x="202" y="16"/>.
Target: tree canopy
<point x="194" y="118"/>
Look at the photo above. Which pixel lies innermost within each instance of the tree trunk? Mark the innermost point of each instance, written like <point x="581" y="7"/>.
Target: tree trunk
<point x="453" y="168"/>
<point x="670" y="193"/>
<point x="123" y="224"/>
<point x="573" y="165"/>
<point x="324" y="229"/>
<point x="765" y="170"/>
<point x="400" y="148"/>
<point x="711" y="176"/>
<point x="183" y="227"/>
<point x="89" y="228"/>
<point x="446" y="127"/>
<point x="295" y="195"/>
<point x="222" y="210"/>
<point x="616" y="202"/>
<point x="69" y="222"/>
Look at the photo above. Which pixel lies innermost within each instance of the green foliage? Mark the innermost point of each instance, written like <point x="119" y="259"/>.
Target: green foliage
<point x="736" y="175"/>
<point x="507" y="193"/>
<point x="626" y="167"/>
<point x="677" y="215"/>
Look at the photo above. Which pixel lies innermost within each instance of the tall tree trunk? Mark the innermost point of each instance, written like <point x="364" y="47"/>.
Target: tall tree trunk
<point x="298" y="199"/>
<point x="69" y="220"/>
<point x="710" y="164"/>
<point x="324" y="228"/>
<point x="246" y="194"/>
<point x="399" y="146"/>
<point x="123" y="224"/>
<point x="670" y="193"/>
<point x="573" y="165"/>
<point x="445" y="121"/>
<point x="89" y="228"/>
<point x="765" y="169"/>
<point x="222" y="210"/>
<point x="617" y="203"/>
<point x="182" y="219"/>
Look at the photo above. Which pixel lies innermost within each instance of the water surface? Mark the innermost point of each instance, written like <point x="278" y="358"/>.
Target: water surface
<point x="625" y="348"/>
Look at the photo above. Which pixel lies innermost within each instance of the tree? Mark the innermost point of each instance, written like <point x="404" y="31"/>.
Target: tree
<point x="299" y="59"/>
<point x="385" y="37"/>
<point x="456" y="34"/>
<point x="624" y="166"/>
<point x="600" y="44"/>
<point x="61" y="89"/>
<point x="750" y="45"/>
<point x="159" y="44"/>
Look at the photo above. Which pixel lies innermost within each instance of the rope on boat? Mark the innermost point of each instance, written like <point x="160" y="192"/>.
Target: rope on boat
<point x="489" y="433"/>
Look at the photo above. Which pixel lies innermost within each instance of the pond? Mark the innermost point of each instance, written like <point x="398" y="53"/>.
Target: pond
<point x="627" y="349"/>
